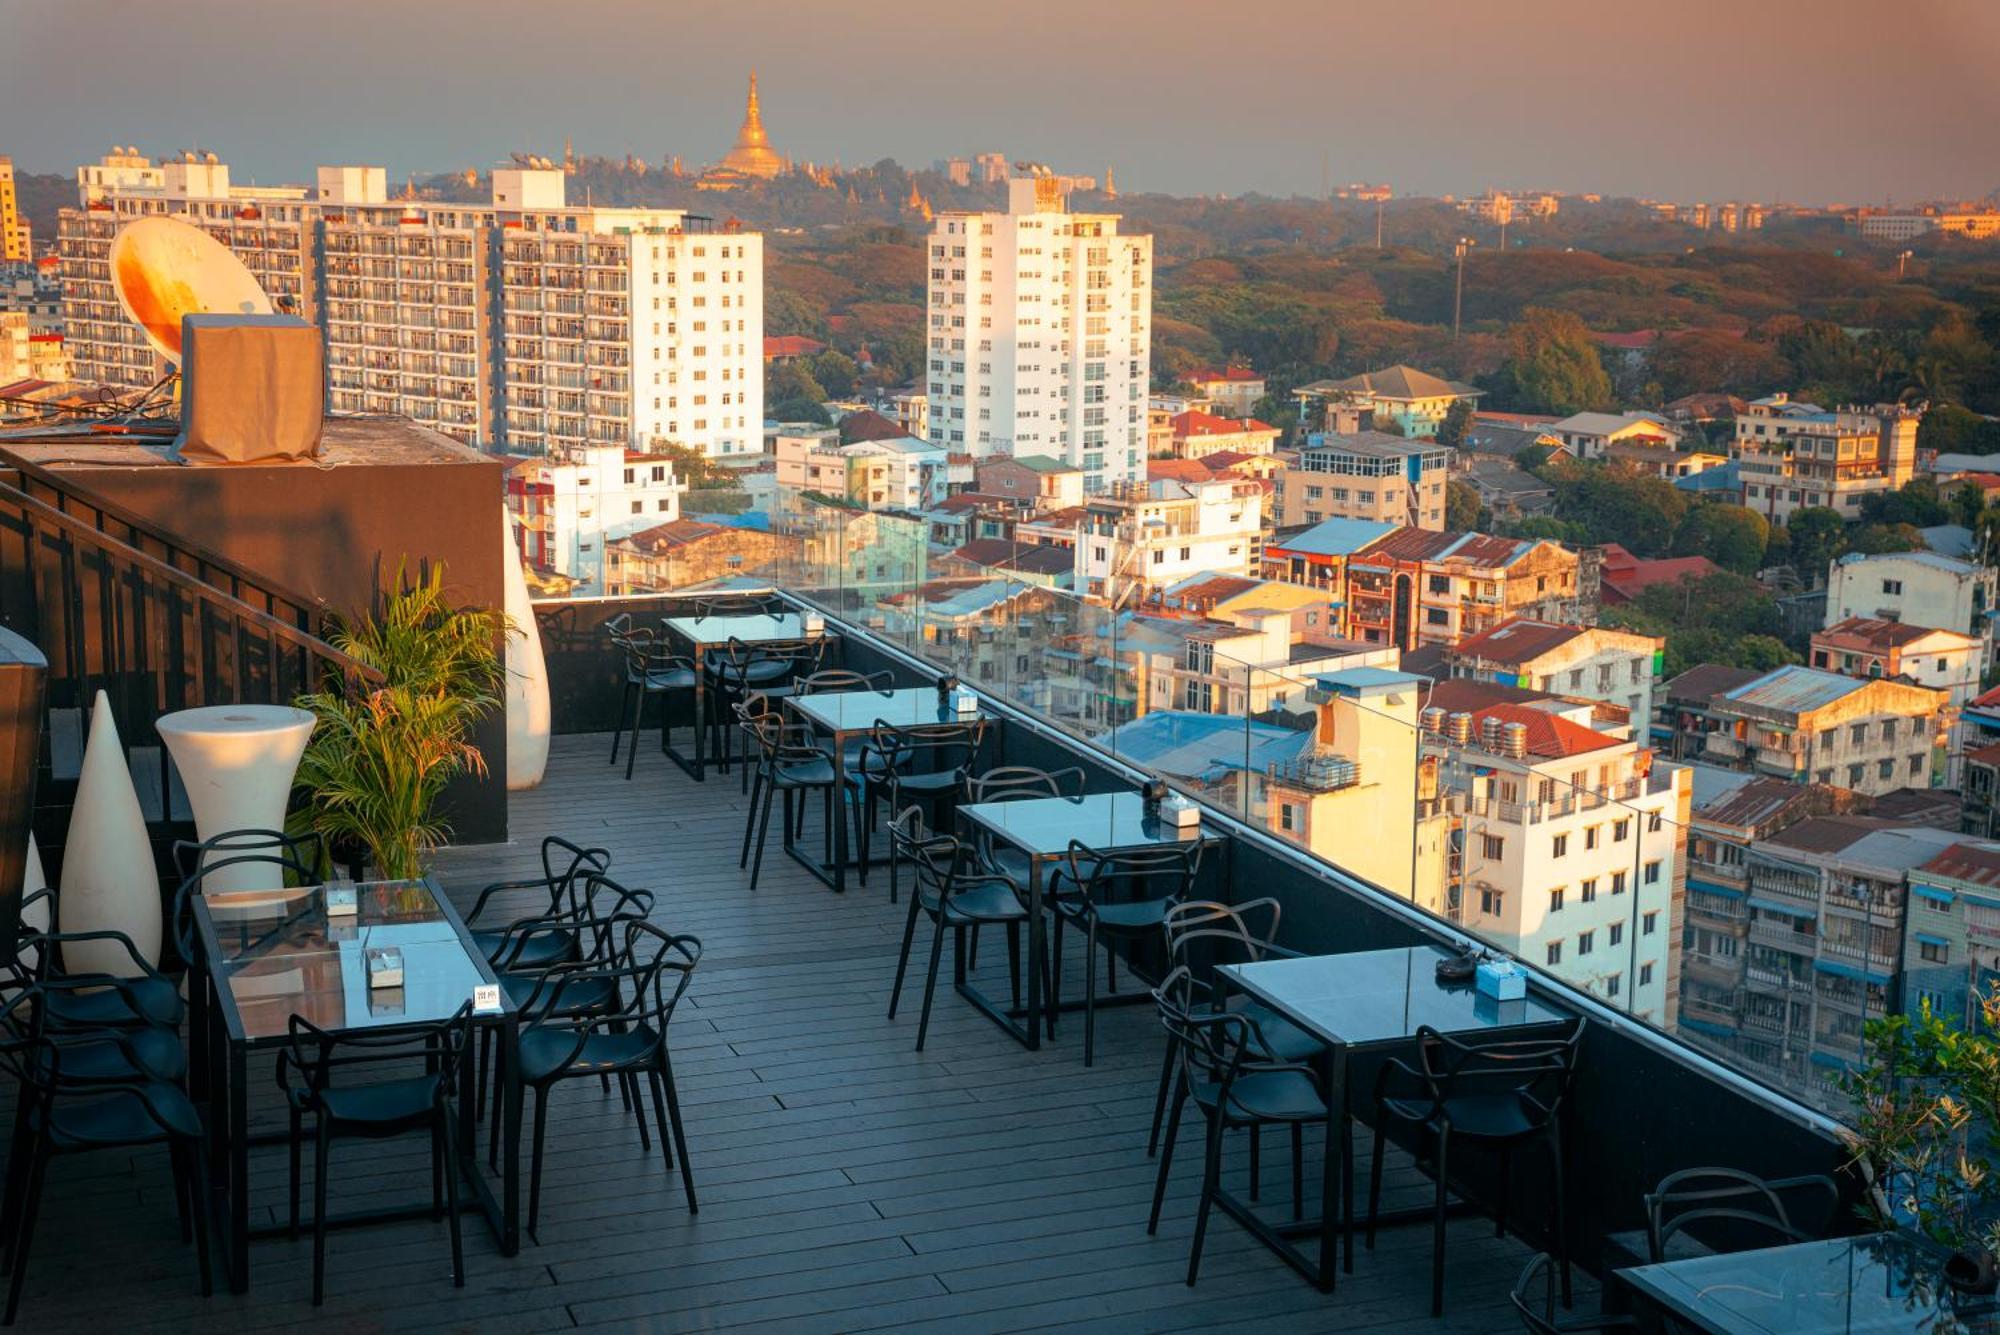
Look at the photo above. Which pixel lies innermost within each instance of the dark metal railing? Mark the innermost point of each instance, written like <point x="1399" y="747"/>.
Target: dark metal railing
<point x="156" y="623"/>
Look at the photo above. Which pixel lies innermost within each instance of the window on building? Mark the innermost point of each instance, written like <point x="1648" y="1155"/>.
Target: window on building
<point x="1646" y="975"/>
<point x="1619" y="829"/>
<point x="1587" y="890"/>
<point x="1617" y="882"/>
<point x="1555" y="953"/>
<point x="1892" y="586"/>
<point x="1585" y="942"/>
<point x="1652" y="873"/>
<point x="1491" y="901"/>
<point x="1932" y="952"/>
<point x="1491" y="846"/>
<point x="1612" y="983"/>
<point x="1287" y="816"/>
<point x="1654" y="822"/>
<point x="1617" y="933"/>
<point x="1561" y="846"/>
<point x="1556" y="900"/>
<point x="1590" y="834"/>
<point x="1648" y="922"/>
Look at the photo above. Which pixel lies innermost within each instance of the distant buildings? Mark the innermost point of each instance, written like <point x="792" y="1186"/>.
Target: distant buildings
<point x="900" y="473"/>
<point x="15" y="241"/>
<point x="1921" y="588"/>
<point x="751" y="158"/>
<point x="1589" y="435"/>
<point x="1142" y="536"/>
<point x="1793" y="455"/>
<point x="1810" y="726"/>
<point x="1583" y="662"/>
<point x="1367" y="475"/>
<point x="1415" y="401"/>
<point x="1232" y="391"/>
<point x="1197" y="434"/>
<point x="1973" y="225"/>
<point x="1040" y="334"/>
<point x="570" y="510"/>
<point x="528" y="324"/>
<point x="1943" y="660"/>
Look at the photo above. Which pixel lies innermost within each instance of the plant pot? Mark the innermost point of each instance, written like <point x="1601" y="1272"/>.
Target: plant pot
<point x="236" y="763"/>
<point x="1972" y="1270"/>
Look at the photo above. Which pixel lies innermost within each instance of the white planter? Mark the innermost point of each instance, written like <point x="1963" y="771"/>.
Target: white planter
<point x="527" y="673"/>
<point x="236" y="763"/>
<point x="108" y="881"/>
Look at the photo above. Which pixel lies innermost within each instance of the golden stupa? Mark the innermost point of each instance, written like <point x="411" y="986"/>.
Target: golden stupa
<point x="753" y="154"/>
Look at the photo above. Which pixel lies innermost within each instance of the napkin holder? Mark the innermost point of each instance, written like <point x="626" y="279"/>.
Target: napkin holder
<point x="964" y="702"/>
<point x="1180" y="813"/>
<point x="1501" y="979"/>
<point x="343" y="898"/>
<point x="813" y="624"/>
<point x="385" y="967"/>
<point x="386" y="1002"/>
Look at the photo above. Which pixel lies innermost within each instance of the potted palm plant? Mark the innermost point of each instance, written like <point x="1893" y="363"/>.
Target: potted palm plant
<point x="381" y="754"/>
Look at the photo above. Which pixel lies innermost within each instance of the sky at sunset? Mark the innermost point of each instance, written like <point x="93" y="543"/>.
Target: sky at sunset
<point x="1804" y="100"/>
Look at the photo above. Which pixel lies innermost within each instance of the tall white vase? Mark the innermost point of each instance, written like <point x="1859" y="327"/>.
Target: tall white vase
<point x="527" y="673"/>
<point x="108" y="881"/>
<point x="236" y="763"/>
<point x="34" y="917"/>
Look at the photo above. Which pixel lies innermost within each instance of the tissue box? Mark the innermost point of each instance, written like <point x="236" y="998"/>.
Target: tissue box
<point x="814" y="623"/>
<point x="1182" y="815"/>
<point x="385" y="967"/>
<point x="343" y="899"/>
<point x="1503" y="980"/>
<point x="965" y="702"/>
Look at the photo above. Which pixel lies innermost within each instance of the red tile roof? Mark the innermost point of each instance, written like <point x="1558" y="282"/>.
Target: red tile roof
<point x="1872" y="634"/>
<point x="1179" y="470"/>
<point x="1978" y="863"/>
<point x="1225" y="458"/>
<point x="791" y="345"/>
<point x="1549" y="737"/>
<point x="1195" y="422"/>
<point x="1516" y="641"/>
<point x="1208" y="374"/>
<point x="1625" y="575"/>
<point x="1405" y="544"/>
<point x="1636" y="341"/>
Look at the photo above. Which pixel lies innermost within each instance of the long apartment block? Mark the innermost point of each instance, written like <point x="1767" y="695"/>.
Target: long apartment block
<point x="523" y="324"/>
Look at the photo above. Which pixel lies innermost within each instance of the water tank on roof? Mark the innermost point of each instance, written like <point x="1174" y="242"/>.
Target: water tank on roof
<point x="1489" y="733"/>
<point x="1434" y="720"/>
<point x="1458" y="729"/>
<point x="1514" y="740"/>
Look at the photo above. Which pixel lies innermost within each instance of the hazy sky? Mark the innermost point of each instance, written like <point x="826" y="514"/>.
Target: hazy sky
<point x="1812" y="100"/>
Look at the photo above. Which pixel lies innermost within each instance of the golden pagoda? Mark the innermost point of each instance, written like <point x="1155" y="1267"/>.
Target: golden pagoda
<point x="753" y="154"/>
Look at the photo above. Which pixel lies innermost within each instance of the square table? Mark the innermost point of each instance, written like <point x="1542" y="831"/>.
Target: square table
<point x="706" y="635"/>
<point x="1042" y="828"/>
<point x="846" y="717"/>
<point x="1880" y="1282"/>
<point x="267" y="955"/>
<point x="1368" y="1000"/>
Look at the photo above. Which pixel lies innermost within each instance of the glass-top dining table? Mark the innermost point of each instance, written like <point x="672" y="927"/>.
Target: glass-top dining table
<point x="702" y="636"/>
<point x="270" y="954"/>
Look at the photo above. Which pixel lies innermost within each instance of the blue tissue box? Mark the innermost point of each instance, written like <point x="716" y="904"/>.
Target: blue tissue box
<point x="1503" y="980"/>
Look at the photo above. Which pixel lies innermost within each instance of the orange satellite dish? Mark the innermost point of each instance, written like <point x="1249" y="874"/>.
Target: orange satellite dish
<point x="163" y="268"/>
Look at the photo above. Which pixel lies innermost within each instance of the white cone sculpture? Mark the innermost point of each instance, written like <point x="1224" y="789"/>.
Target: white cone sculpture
<point x="108" y="880"/>
<point x="35" y="916"/>
<point x="527" y="673"/>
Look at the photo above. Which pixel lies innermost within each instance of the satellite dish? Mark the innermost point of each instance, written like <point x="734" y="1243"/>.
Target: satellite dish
<point x="163" y="268"/>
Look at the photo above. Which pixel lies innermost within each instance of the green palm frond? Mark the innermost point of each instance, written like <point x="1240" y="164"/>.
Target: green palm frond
<point x="381" y="757"/>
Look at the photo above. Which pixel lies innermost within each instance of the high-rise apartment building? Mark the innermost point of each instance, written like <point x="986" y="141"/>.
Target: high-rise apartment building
<point x="15" y="243"/>
<point x="525" y="323"/>
<point x="1041" y="334"/>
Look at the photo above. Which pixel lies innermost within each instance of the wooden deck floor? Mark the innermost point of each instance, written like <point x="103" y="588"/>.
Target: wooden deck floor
<point x="847" y="1183"/>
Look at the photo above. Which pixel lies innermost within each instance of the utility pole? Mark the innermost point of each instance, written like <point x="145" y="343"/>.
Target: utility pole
<point x="1902" y="258"/>
<point x="1378" y="222"/>
<point x="1458" y="293"/>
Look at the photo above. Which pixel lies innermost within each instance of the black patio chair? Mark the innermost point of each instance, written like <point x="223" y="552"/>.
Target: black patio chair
<point x="377" y="1109"/>
<point x="1534" y="1298"/>
<point x="1731" y="1210"/>
<point x="1113" y="897"/>
<point x="1496" y="1093"/>
<point x="741" y="670"/>
<point x="737" y="604"/>
<point x="1012" y="783"/>
<point x="59" y="1112"/>
<point x="827" y="681"/>
<point x="954" y="892"/>
<point x="925" y="765"/>
<point x="628" y="1040"/>
<point x="651" y="669"/>
<point x="1203" y="935"/>
<point x="1235" y="1088"/>
<point x="565" y="866"/>
<point x="790" y="763"/>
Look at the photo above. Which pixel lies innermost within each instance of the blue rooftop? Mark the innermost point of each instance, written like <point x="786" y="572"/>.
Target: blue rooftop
<point x="1722" y="477"/>
<point x="1336" y="537"/>
<point x="1353" y="681"/>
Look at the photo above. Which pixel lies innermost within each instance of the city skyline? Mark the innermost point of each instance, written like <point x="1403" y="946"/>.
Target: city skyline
<point x="1560" y="103"/>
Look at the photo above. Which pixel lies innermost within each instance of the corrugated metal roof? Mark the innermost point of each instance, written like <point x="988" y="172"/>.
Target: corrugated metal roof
<point x="1334" y="537"/>
<point x="1795" y="690"/>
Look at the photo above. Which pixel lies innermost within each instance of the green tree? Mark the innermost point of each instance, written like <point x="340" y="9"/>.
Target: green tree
<point x="1451" y="431"/>
<point x="1729" y="535"/>
<point x="1552" y="365"/>
<point x="1950" y="429"/>
<point x="1916" y="502"/>
<point x="1816" y="535"/>
<point x="1637" y="510"/>
<point x="792" y="395"/>
<point x="1875" y="539"/>
<point x="789" y="312"/>
<point x="1461" y="506"/>
<point x="834" y="371"/>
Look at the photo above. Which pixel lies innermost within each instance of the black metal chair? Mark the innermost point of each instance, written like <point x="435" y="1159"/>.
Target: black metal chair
<point x="1534" y="1298"/>
<point x="1235" y="1088"/>
<point x="564" y="866"/>
<point x="1497" y="1093"/>
<point x="737" y="604"/>
<point x="791" y="764"/>
<point x="62" y="1110"/>
<point x="742" y="670"/>
<point x="1012" y="783"/>
<point x="925" y="765"/>
<point x="1731" y="1210"/>
<point x="375" y="1110"/>
<point x="627" y="1040"/>
<point x="651" y="669"/>
<point x="1113" y="897"/>
<point x="954" y="892"/>
<point x="1202" y="935"/>
<point x="829" y="680"/>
